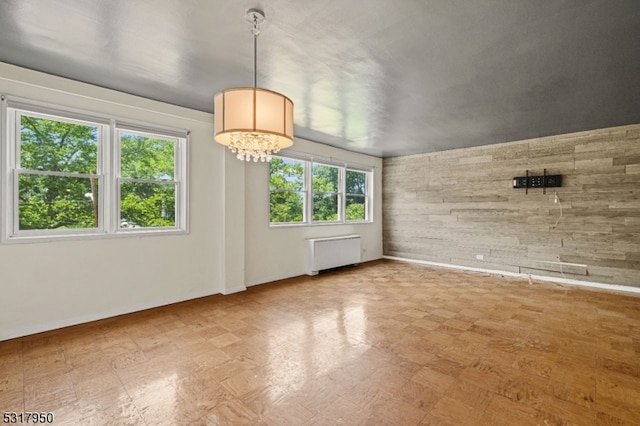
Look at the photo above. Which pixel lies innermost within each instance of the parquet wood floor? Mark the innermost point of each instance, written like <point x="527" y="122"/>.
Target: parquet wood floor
<point x="382" y="343"/>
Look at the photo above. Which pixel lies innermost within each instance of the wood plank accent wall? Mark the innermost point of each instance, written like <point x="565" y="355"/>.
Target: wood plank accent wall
<point x="455" y="206"/>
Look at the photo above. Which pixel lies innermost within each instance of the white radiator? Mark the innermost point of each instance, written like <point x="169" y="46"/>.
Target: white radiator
<point x="331" y="252"/>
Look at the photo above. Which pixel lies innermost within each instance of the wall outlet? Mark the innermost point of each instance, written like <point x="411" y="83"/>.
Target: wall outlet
<point x="479" y="256"/>
<point x="520" y="182"/>
<point x="535" y="181"/>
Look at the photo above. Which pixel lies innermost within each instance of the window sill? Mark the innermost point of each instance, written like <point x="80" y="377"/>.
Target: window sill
<point x="319" y="224"/>
<point x="96" y="235"/>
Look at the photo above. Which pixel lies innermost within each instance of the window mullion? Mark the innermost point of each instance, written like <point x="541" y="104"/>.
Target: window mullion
<point x="8" y="127"/>
<point x="60" y="174"/>
<point x="308" y="184"/>
<point x="108" y="175"/>
<point x="14" y="159"/>
<point x="152" y="181"/>
<point x="342" y="200"/>
<point x="178" y="195"/>
<point x="4" y="168"/>
<point x="15" y="220"/>
<point x="365" y="196"/>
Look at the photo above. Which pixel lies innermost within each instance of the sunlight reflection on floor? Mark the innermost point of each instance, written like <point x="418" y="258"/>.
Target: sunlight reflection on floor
<point x="331" y="340"/>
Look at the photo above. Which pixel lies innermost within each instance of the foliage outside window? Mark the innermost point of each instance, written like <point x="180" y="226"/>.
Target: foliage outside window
<point x="61" y="181"/>
<point x="356" y="195"/>
<point x="147" y="181"/>
<point x="336" y="194"/>
<point x="326" y="196"/>
<point x="57" y="173"/>
<point x="287" y="190"/>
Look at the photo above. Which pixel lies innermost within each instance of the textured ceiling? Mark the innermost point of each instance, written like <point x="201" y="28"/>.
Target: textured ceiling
<point x="380" y="77"/>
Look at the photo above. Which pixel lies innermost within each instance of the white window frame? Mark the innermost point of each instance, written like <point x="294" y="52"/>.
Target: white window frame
<point x="366" y="195"/>
<point x="177" y="173"/>
<point x="107" y="173"/>
<point x="304" y="191"/>
<point x="309" y="161"/>
<point x="339" y="193"/>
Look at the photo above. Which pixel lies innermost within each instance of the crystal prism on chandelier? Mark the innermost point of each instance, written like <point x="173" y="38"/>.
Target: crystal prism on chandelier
<point x="253" y="146"/>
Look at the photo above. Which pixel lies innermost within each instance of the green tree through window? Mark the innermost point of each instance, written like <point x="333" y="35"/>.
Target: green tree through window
<point x="147" y="186"/>
<point x="324" y="192"/>
<point x="57" y="176"/>
<point x="326" y="197"/>
<point x="356" y="195"/>
<point x="286" y="184"/>
<point x="76" y="177"/>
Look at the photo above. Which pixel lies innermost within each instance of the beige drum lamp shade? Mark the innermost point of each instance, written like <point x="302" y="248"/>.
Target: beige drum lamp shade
<point x="253" y="121"/>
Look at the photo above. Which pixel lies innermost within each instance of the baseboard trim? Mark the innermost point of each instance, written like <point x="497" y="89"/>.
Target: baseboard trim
<point x="232" y="290"/>
<point x="601" y="286"/>
<point x="272" y="279"/>
<point x="68" y="322"/>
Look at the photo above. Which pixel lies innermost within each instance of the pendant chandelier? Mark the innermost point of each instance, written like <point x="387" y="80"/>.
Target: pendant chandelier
<point x="254" y="123"/>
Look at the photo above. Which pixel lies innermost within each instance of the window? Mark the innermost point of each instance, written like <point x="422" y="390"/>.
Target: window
<point x="147" y="182"/>
<point x="356" y="196"/>
<point x="307" y="192"/>
<point x="326" y="198"/>
<point x="71" y="173"/>
<point x="287" y="190"/>
<point x="57" y="172"/>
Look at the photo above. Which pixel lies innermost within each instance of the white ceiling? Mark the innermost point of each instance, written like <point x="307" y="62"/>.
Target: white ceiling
<point x="380" y="77"/>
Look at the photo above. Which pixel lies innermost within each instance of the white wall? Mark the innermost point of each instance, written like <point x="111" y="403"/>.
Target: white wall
<point x="53" y="284"/>
<point x="279" y="252"/>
